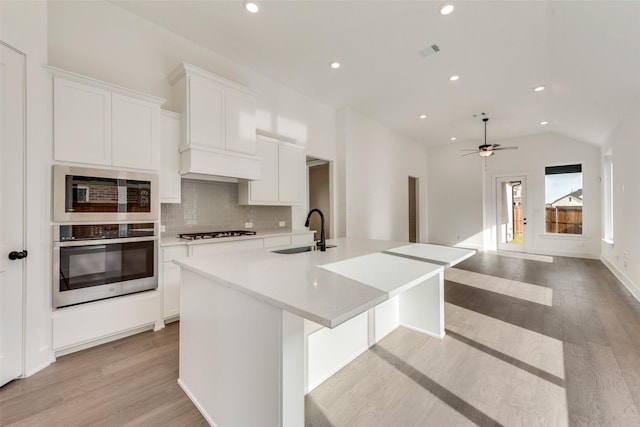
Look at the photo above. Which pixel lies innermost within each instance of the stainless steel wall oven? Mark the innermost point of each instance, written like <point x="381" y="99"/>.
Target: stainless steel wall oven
<point x="98" y="261"/>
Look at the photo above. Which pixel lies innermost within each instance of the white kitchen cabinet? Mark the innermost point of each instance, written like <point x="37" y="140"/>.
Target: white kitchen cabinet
<point x="219" y="126"/>
<point x="275" y="241"/>
<point x="265" y="189"/>
<point x="240" y="121"/>
<point x="81" y="123"/>
<point x="225" y="247"/>
<point x="170" y="281"/>
<point x="102" y="124"/>
<point x="282" y="175"/>
<point x="170" y="181"/>
<point x="205" y="103"/>
<point x="135" y="133"/>
<point x="290" y="179"/>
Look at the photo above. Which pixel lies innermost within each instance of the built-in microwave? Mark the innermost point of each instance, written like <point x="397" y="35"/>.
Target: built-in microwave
<point x="87" y="194"/>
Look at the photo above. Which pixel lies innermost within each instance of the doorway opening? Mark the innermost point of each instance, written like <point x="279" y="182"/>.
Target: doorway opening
<point x="319" y="179"/>
<point x="510" y="210"/>
<point x="413" y="209"/>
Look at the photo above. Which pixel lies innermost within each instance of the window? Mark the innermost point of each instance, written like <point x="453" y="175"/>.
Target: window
<point x="563" y="199"/>
<point x="607" y="191"/>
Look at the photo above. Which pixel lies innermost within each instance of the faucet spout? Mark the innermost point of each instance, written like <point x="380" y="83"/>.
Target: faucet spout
<point x="322" y="243"/>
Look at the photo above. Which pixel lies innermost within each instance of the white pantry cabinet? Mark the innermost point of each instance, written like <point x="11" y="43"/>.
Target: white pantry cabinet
<point x="282" y="175"/>
<point x="102" y="124"/>
<point x="170" y="191"/>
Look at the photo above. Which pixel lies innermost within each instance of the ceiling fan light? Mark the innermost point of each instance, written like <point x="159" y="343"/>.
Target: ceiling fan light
<point x="486" y="153"/>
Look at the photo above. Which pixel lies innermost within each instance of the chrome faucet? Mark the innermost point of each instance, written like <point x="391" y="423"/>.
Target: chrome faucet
<point x="322" y="243"/>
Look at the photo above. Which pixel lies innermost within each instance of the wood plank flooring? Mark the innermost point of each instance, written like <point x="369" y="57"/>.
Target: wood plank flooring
<point x="528" y="343"/>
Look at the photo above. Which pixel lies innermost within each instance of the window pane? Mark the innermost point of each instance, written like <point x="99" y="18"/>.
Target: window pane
<point x="563" y="199"/>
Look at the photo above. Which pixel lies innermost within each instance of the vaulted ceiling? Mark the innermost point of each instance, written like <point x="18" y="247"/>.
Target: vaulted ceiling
<point x="585" y="53"/>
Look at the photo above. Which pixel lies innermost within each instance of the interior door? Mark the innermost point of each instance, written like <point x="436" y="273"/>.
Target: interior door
<point x="12" y="148"/>
<point x="511" y="213"/>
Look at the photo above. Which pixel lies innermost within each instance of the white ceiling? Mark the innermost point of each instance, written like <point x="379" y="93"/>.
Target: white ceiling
<point x="587" y="54"/>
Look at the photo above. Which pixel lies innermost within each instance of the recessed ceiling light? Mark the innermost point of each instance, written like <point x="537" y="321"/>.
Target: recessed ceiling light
<point x="538" y="89"/>
<point x="453" y="138"/>
<point x="423" y="116"/>
<point x="544" y="123"/>
<point x="454" y="78"/>
<point x="251" y="6"/>
<point x="446" y="9"/>
<point x="334" y="64"/>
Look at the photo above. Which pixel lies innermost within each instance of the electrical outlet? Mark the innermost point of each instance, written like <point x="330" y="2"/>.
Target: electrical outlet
<point x="248" y="225"/>
<point x="163" y="228"/>
<point x="281" y="224"/>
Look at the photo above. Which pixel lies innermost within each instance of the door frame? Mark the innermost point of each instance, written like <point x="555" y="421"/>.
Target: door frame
<point x="23" y="207"/>
<point x="523" y="247"/>
<point x="311" y="161"/>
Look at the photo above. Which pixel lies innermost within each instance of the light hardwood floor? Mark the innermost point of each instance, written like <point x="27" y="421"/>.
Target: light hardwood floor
<point x="528" y="343"/>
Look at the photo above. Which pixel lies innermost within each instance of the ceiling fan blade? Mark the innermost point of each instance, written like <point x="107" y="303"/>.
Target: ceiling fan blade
<point x="468" y="154"/>
<point x="469" y="149"/>
<point x="506" y="148"/>
<point x="495" y="145"/>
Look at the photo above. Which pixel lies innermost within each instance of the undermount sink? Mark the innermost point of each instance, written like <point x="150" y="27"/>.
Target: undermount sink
<point x="299" y="250"/>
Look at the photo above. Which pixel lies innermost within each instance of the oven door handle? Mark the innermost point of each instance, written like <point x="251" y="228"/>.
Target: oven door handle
<point x="88" y="242"/>
<point x="85" y="248"/>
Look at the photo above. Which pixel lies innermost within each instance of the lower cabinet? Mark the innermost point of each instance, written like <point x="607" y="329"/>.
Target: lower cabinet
<point x="170" y="272"/>
<point x="170" y="281"/>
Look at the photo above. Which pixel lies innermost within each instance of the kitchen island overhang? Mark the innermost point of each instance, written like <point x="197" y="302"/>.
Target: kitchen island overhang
<point x="243" y="347"/>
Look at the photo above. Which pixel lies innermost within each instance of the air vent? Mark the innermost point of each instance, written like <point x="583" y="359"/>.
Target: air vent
<point x="428" y="51"/>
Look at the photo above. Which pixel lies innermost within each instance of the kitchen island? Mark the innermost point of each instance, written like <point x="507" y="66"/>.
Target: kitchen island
<point x="242" y="329"/>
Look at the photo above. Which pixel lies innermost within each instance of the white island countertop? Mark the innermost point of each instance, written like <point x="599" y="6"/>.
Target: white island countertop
<point x="329" y="287"/>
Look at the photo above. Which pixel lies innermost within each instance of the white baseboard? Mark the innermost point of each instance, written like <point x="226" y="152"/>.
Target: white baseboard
<point x="195" y="402"/>
<point x="628" y="283"/>
<point x="103" y="340"/>
<point x="422" y="331"/>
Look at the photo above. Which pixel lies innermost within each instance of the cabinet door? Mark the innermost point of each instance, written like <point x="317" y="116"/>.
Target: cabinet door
<point x="205" y="112"/>
<point x="135" y="133"/>
<point x="240" y="122"/>
<point x="266" y="190"/>
<point x="81" y="123"/>
<point x="170" y="289"/>
<point x="170" y="157"/>
<point x="291" y="160"/>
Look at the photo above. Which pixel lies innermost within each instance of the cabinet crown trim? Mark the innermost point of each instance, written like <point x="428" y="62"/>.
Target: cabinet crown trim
<point x="185" y="69"/>
<point x="78" y="78"/>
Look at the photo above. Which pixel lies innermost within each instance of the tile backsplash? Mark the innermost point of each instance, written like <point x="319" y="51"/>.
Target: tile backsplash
<point x="210" y="206"/>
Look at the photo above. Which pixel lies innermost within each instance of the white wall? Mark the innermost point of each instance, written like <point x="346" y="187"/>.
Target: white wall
<point x="103" y="41"/>
<point x="378" y="165"/>
<point x="625" y="146"/>
<point x="461" y="178"/>
<point x="455" y="197"/>
<point x="24" y="26"/>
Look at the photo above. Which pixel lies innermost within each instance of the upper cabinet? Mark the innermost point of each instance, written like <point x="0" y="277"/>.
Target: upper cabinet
<point x="171" y="124"/>
<point x="102" y="124"/>
<point x="219" y="125"/>
<point x="282" y="175"/>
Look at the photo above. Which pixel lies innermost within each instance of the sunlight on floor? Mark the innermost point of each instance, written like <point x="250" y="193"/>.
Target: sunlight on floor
<point x="532" y="348"/>
<point x="512" y="288"/>
<point x="522" y="255"/>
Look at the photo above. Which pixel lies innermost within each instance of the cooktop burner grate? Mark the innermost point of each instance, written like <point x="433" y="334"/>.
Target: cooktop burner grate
<point x="216" y="234"/>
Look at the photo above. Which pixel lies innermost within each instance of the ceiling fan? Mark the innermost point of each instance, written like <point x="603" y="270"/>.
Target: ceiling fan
<point x="486" y="150"/>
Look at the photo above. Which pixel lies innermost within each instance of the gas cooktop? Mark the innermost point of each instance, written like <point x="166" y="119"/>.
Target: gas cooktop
<point x="216" y="234"/>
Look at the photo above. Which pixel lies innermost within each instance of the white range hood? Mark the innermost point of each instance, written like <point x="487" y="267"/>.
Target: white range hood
<point x="219" y="165"/>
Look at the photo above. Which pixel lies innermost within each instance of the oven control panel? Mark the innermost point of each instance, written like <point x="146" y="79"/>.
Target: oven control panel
<point x="71" y="232"/>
